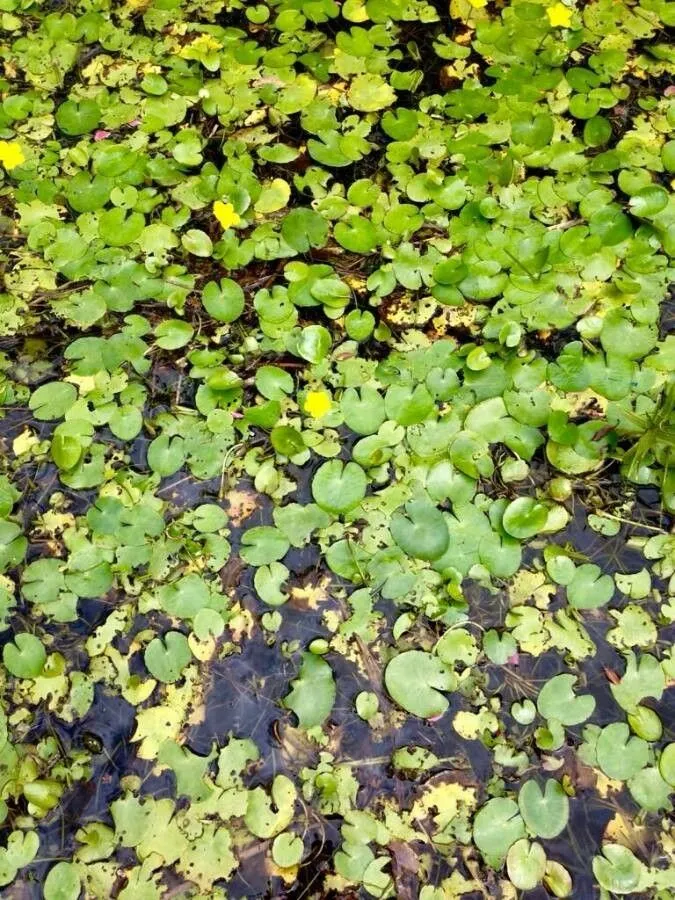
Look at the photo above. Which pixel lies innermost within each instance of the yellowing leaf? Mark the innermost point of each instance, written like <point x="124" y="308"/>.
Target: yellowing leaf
<point x="241" y="503"/>
<point x="164" y="721"/>
<point x="471" y="725"/>
<point x="370" y="92"/>
<point x="208" y="858"/>
<point x="447" y="802"/>
<point x="275" y="195"/>
<point x="310" y="595"/>
<point x="201" y="45"/>
<point x="24" y="442"/>
<point x="355" y="11"/>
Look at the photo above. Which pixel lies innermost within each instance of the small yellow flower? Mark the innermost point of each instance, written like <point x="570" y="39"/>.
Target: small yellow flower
<point x="225" y="214"/>
<point x="478" y="4"/>
<point x="318" y="403"/>
<point x="11" y="154"/>
<point x="559" y="15"/>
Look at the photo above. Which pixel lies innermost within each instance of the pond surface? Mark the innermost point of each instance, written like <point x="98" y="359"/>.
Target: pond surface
<point x="337" y="450"/>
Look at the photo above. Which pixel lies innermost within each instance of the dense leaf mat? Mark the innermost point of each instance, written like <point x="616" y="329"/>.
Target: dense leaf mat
<point x="337" y="430"/>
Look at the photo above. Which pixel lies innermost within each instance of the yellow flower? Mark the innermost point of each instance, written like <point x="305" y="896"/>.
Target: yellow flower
<point x="11" y="154"/>
<point x="225" y="214"/>
<point x="559" y="15"/>
<point x="318" y="403"/>
<point x="478" y="4"/>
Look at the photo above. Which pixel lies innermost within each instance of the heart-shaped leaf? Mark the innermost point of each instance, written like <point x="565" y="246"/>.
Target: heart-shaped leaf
<point x="52" y="401"/>
<point x="619" y="755"/>
<point x="618" y="870"/>
<point x="166" y="657"/>
<point x="223" y="300"/>
<point x="313" y="692"/>
<point x="558" y="701"/>
<point x="497" y="826"/>
<point x="339" y="487"/>
<point x="419" y="529"/>
<point x="415" y="680"/>
<point x="525" y="864"/>
<point x="62" y="882"/>
<point x="26" y="657"/>
<point x="545" y="812"/>
<point x="524" y="517"/>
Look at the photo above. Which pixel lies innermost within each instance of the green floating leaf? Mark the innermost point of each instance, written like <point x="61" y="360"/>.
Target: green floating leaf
<point x="359" y="324"/>
<point x="545" y="812"/>
<point x="589" y="588"/>
<point x="21" y="849"/>
<point x="643" y="678"/>
<point x="287" y="850"/>
<point x="263" y="545"/>
<point x="667" y="764"/>
<point x="197" y="242"/>
<point x="369" y="93"/>
<point x="74" y="118"/>
<point x="497" y="826"/>
<point x="619" y="755"/>
<point x="66" y="450"/>
<point x="166" y="657"/>
<point x="62" y="882"/>
<point x="648" y="201"/>
<point x="26" y="657"/>
<point x="313" y="343"/>
<point x="166" y="454"/>
<point x="273" y="382"/>
<point x="524" y="517"/>
<point x="557" y="701"/>
<point x="173" y="333"/>
<point x="338" y="487"/>
<point x="287" y="440"/>
<point x="52" y="401"/>
<point x="557" y="879"/>
<point x="268" y="582"/>
<point x="303" y="229"/>
<point x="420" y="530"/>
<point x="223" y="300"/>
<point x="649" y="790"/>
<point x="267" y="816"/>
<point x="415" y="680"/>
<point x="525" y="864"/>
<point x="118" y="229"/>
<point x="313" y="692"/>
<point x="618" y="870"/>
<point x="358" y="235"/>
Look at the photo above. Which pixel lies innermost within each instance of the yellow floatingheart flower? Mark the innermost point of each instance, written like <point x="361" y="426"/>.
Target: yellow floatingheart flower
<point x="559" y="15"/>
<point x="478" y="4"/>
<point x="11" y="154"/>
<point x="317" y="403"/>
<point x="226" y="214"/>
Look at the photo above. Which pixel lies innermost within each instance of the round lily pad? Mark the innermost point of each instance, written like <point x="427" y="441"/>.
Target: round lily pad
<point x="415" y="681"/>
<point x="420" y="530"/>
<point x="339" y="487"/>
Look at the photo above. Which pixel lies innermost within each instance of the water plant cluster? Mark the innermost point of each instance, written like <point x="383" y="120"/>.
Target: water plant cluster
<point x="337" y="430"/>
